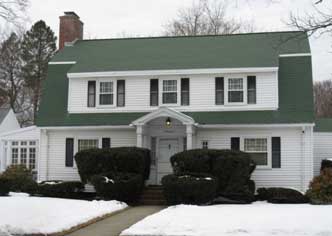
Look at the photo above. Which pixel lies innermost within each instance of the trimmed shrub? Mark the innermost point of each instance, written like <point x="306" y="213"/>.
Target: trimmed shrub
<point x="189" y="188"/>
<point x="326" y="164"/>
<point x="121" y="186"/>
<point x="320" y="188"/>
<point x="61" y="189"/>
<point x="232" y="169"/>
<point x="123" y="159"/>
<point x="20" y="179"/>
<point x="281" y="195"/>
<point x="4" y="186"/>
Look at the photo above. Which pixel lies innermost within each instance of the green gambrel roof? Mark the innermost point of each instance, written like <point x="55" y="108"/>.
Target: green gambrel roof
<point x="224" y="51"/>
<point x="323" y="125"/>
<point x="233" y="51"/>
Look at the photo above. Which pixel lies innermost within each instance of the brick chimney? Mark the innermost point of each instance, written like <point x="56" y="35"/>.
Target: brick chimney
<point x="71" y="28"/>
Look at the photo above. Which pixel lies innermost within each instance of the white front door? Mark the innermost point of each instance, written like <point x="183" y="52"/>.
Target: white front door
<point x="167" y="148"/>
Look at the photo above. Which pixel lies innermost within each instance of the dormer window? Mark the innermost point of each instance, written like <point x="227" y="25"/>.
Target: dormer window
<point x="235" y="90"/>
<point x="106" y="93"/>
<point x="170" y="92"/>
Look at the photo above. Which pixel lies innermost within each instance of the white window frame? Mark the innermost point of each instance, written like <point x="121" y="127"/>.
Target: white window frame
<point x="178" y="92"/>
<point x="9" y="147"/>
<point x="269" y="149"/>
<point x="226" y="89"/>
<point x="77" y="138"/>
<point x="98" y="105"/>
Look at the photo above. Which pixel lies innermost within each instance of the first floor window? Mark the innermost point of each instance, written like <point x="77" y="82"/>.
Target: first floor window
<point x="235" y="90"/>
<point x="169" y="91"/>
<point x="14" y="156"/>
<point x="23" y="156"/>
<point x="106" y="93"/>
<point x="24" y="153"/>
<point x="84" y="144"/>
<point x="257" y="148"/>
<point x="32" y="158"/>
<point x="205" y="144"/>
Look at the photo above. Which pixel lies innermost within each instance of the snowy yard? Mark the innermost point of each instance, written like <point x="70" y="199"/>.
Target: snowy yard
<point x="20" y="214"/>
<point x="257" y="219"/>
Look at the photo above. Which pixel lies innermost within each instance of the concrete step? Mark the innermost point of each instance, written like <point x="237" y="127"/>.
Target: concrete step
<point x="151" y="202"/>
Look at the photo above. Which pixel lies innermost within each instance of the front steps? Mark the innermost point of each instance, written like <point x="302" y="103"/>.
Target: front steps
<point x="153" y="195"/>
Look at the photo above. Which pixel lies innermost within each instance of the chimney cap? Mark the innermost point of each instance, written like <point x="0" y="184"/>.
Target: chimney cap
<point x="71" y="13"/>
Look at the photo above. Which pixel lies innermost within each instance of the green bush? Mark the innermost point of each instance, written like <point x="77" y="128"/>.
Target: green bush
<point x="326" y="164"/>
<point x="123" y="159"/>
<point x="20" y="179"/>
<point x="281" y="195"/>
<point x="189" y="188"/>
<point x="4" y="186"/>
<point x="232" y="169"/>
<point x="121" y="186"/>
<point x="61" y="189"/>
<point x="320" y="188"/>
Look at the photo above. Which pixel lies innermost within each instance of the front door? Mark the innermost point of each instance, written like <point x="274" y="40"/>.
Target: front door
<point x="167" y="148"/>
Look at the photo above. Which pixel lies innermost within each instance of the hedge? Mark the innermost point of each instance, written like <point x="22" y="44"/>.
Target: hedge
<point x="189" y="188"/>
<point x="61" y="189"/>
<point x="122" y="159"/>
<point x="281" y="195"/>
<point x="232" y="169"/>
<point x="121" y="186"/>
<point x="4" y="186"/>
<point x="326" y="164"/>
<point x="20" y="179"/>
<point x="320" y="188"/>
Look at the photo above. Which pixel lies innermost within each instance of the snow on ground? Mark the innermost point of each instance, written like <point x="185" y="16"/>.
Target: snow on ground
<point x="21" y="214"/>
<point x="257" y="219"/>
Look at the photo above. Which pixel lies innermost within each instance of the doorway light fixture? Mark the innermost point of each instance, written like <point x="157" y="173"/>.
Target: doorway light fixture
<point x="168" y="122"/>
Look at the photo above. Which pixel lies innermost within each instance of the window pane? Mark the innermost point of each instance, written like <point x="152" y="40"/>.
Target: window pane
<point x="32" y="158"/>
<point x="154" y="99"/>
<point x="32" y="143"/>
<point x="84" y="144"/>
<point x="235" y="84"/>
<point x="106" y="87"/>
<point x="169" y="97"/>
<point x="259" y="158"/>
<point x="235" y="96"/>
<point x="220" y="97"/>
<point x="251" y="96"/>
<point x="169" y="85"/>
<point x="14" y="156"/>
<point x="258" y="144"/>
<point x="23" y="156"/>
<point x="185" y="98"/>
<point x="106" y="99"/>
<point x="205" y="144"/>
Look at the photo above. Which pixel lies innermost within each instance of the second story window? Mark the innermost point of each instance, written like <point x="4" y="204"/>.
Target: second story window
<point x="106" y="94"/>
<point x="235" y="90"/>
<point x="169" y="91"/>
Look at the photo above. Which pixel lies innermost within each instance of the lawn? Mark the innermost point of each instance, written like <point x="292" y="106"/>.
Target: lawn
<point x="21" y="214"/>
<point x="257" y="219"/>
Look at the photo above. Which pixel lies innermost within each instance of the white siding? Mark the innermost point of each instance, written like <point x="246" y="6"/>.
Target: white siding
<point x="292" y="160"/>
<point x="52" y="164"/>
<point x="202" y="94"/>
<point x="10" y="123"/>
<point x="322" y="149"/>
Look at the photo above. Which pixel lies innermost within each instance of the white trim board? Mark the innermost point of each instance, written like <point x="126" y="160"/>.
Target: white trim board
<point x="102" y="127"/>
<point x="171" y="72"/>
<point x="61" y="62"/>
<point x="296" y="55"/>
<point x="257" y="125"/>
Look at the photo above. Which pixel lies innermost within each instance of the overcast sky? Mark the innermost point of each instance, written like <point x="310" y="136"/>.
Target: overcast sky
<point x="115" y="18"/>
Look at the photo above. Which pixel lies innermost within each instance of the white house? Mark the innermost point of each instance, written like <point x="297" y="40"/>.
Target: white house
<point x="251" y="92"/>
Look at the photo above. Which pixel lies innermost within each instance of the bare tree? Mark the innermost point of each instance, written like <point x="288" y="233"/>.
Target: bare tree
<point x="206" y="17"/>
<point x="320" y="20"/>
<point x="323" y="98"/>
<point x="10" y="10"/>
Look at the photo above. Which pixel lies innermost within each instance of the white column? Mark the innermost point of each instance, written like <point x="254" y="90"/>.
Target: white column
<point x="189" y="132"/>
<point x="139" y="133"/>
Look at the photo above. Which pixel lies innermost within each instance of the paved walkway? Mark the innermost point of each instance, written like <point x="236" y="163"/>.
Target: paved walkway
<point x="114" y="225"/>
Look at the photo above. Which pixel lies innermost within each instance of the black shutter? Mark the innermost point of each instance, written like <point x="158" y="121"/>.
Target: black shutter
<point x="276" y="152"/>
<point x="106" y="143"/>
<point x="235" y="144"/>
<point x="91" y="93"/>
<point x="120" y="101"/>
<point x="185" y="92"/>
<point x="154" y="93"/>
<point x="219" y="90"/>
<point x="69" y="152"/>
<point x="251" y="90"/>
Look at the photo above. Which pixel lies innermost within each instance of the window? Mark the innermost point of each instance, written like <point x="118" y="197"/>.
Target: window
<point x="219" y="85"/>
<point x="14" y="156"/>
<point x="91" y="93"/>
<point x="251" y="89"/>
<point x="205" y="144"/>
<point x="23" y="156"/>
<point x="153" y="151"/>
<point x="106" y="93"/>
<point x="154" y="92"/>
<point x="235" y="90"/>
<point x="120" y="93"/>
<point x="185" y="92"/>
<point x="32" y="158"/>
<point x="84" y="144"/>
<point x="257" y="148"/>
<point x="169" y="91"/>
